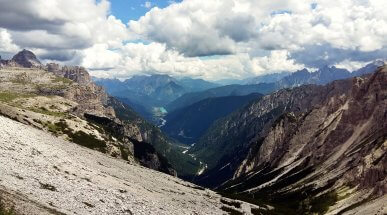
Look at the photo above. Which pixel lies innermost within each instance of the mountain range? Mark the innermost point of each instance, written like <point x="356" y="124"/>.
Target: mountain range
<point x="269" y="83"/>
<point x="324" y="75"/>
<point x="63" y="100"/>
<point x="147" y="94"/>
<point x="312" y="149"/>
<point x="268" y="78"/>
<point x="154" y="90"/>
<point x="228" y="90"/>
<point x="190" y="123"/>
<point x="191" y="114"/>
<point x="304" y="143"/>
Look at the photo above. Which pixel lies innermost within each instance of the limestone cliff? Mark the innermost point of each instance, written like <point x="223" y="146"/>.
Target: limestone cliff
<point x="63" y="100"/>
<point x="315" y="149"/>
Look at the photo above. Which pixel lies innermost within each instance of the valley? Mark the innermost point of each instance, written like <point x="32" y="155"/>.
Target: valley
<point x="53" y="176"/>
<point x="255" y="144"/>
<point x="274" y="145"/>
<point x="193" y="107"/>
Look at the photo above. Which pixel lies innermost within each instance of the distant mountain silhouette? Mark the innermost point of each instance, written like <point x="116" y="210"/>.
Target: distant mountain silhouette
<point x="152" y="91"/>
<point x="229" y="90"/>
<point x="189" y="123"/>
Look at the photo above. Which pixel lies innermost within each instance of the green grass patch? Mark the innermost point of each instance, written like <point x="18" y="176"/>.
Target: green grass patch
<point x="52" y="128"/>
<point x="48" y="88"/>
<point x="10" y="96"/>
<point x="88" y="140"/>
<point x="321" y="204"/>
<point x="78" y="137"/>
<point x="6" y="211"/>
<point x="45" y="111"/>
<point x="63" y="80"/>
<point x="21" y="79"/>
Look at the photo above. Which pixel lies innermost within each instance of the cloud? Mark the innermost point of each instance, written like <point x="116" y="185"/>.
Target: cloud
<point x="156" y="58"/>
<point x="277" y="61"/>
<point x="349" y="25"/>
<point x="351" y="65"/>
<point x="147" y="4"/>
<point x="61" y="25"/>
<point x="199" y="38"/>
<point x="325" y="54"/>
<point x="6" y="43"/>
<point x="191" y="27"/>
<point x="100" y="57"/>
<point x="205" y="28"/>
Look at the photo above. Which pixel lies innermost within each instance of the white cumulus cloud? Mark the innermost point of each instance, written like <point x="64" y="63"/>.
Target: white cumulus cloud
<point x="209" y="39"/>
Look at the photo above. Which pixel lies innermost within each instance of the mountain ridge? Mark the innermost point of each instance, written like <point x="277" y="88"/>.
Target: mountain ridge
<point x="154" y="90"/>
<point x="307" y="144"/>
<point x="189" y="123"/>
<point x="63" y="100"/>
<point x="277" y="81"/>
<point x="228" y="90"/>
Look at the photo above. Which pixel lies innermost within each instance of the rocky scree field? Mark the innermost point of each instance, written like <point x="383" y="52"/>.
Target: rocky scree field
<point x="43" y="174"/>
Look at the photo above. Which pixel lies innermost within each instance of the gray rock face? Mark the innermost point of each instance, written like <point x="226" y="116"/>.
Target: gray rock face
<point x="74" y="73"/>
<point x="92" y="99"/>
<point x="26" y="59"/>
<point x="86" y="98"/>
<point x="307" y="145"/>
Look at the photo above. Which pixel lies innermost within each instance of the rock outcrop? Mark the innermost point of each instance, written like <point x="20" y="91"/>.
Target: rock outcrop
<point x="64" y="101"/>
<point x="74" y="73"/>
<point x="92" y="99"/>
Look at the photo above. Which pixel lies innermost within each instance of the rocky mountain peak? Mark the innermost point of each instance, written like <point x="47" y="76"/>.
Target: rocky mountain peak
<point x="74" y="73"/>
<point x="26" y="59"/>
<point x="379" y="63"/>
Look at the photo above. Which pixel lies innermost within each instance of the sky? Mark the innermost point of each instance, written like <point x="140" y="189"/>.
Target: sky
<point x="209" y="39"/>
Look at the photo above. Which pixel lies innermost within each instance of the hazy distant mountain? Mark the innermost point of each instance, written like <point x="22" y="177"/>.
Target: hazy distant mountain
<point x="324" y="75"/>
<point x="153" y="91"/>
<point x="225" y="82"/>
<point x="321" y="76"/>
<point x="139" y="109"/>
<point x="368" y="68"/>
<point x="273" y="82"/>
<point x="147" y="84"/>
<point x="189" y="123"/>
<point x="268" y="78"/>
<point x="111" y="85"/>
<point x="195" y="85"/>
<point x="229" y="90"/>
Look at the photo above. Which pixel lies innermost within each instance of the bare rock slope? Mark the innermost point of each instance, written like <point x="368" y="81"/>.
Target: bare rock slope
<point x="58" y="98"/>
<point x="42" y="174"/>
<point x="313" y="149"/>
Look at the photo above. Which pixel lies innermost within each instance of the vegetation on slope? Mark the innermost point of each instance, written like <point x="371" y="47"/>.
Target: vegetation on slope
<point x="189" y="123"/>
<point x="5" y="210"/>
<point x="182" y="163"/>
